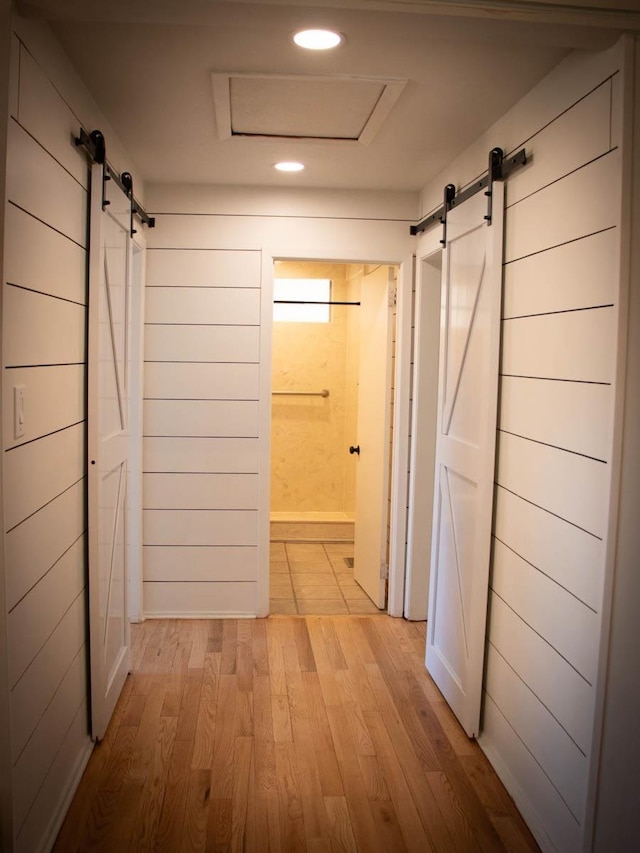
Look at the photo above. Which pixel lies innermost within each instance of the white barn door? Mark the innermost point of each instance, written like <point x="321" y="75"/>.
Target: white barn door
<point x="108" y="445"/>
<point x="465" y="454"/>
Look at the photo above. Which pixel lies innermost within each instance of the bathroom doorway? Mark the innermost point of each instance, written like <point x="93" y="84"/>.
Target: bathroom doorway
<point x="332" y="395"/>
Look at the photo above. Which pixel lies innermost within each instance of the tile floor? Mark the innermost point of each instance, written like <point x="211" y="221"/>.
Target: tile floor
<point x="315" y="580"/>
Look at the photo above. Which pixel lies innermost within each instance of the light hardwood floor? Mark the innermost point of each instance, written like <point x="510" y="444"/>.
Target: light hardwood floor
<point x="319" y="734"/>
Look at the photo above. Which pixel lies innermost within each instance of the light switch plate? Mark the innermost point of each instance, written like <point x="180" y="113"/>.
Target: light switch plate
<point x="18" y="411"/>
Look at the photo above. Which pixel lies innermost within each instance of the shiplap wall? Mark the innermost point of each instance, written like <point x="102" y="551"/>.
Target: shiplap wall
<point x="44" y="519"/>
<point x="553" y="472"/>
<point x="207" y="376"/>
<point x="559" y="332"/>
<point x="201" y="390"/>
<point x="44" y="350"/>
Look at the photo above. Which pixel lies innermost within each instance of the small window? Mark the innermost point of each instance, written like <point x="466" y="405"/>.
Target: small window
<point x="307" y="290"/>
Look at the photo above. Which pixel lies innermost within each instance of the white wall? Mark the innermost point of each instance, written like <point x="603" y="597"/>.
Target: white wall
<point x="44" y="350"/>
<point x="556" y="447"/>
<point x="207" y="409"/>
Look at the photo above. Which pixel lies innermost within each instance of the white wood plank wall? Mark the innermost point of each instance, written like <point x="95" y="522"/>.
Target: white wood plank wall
<point x="559" y="341"/>
<point x="44" y="530"/>
<point x="200" y="490"/>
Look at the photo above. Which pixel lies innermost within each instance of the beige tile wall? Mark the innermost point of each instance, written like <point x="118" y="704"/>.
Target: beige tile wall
<point x="311" y="469"/>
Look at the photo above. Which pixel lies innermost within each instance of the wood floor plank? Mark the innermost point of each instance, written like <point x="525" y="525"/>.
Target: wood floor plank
<point x="203" y="739"/>
<point x="396" y="743"/>
<point x="244" y="711"/>
<point x="373" y="777"/>
<point x="265" y="760"/>
<point x="334" y="649"/>
<point x="345" y="752"/>
<point x="317" y="711"/>
<point x="176" y="680"/>
<point x="119" y="759"/>
<point x="513" y="837"/>
<point x="198" y="644"/>
<point x="268" y="824"/>
<point x="172" y="813"/>
<point x="318" y="644"/>
<point x="314" y="734"/>
<point x="276" y="660"/>
<point x="461" y="744"/>
<point x="475" y="813"/>
<point x="214" y="635"/>
<point x="388" y="826"/>
<point x="398" y="690"/>
<point x="196" y="817"/>
<point x="340" y="824"/>
<point x="189" y="705"/>
<point x="244" y="656"/>
<point x="150" y="804"/>
<point x="452" y="810"/>
<point x="133" y="710"/>
<point x="316" y="825"/>
<point x="282" y="729"/>
<point x="413" y="831"/>
<point x="229" y="647"/>
<point x="211" y="676"/>
<point x="365" y="829"/>
<point x="291" y="812"/>
<point x="303" y="645"/>
<point x="222" y="763"/>
<point x="243" y="814"/>
<point x="259" y="649"/>
<point x="219" y="825"/>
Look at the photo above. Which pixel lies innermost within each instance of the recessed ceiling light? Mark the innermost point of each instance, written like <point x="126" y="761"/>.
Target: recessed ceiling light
<point x="317" y="39"/>
<point x="289" y="166"/>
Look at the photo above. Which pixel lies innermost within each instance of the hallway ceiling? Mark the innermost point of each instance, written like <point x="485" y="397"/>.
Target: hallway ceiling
<point x="151" y="67"/>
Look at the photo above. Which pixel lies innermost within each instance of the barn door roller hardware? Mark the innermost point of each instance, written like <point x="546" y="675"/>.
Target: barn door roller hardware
<point x="95" y="146"/>
<point x="449" y="201"/>
<point x="500" y="167"/>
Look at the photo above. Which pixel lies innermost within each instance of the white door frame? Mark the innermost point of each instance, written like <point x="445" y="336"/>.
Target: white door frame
<point x="399" y="470"/>
<point x="426" y="356"/>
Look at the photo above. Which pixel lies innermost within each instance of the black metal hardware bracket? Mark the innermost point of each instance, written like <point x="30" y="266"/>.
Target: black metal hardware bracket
<point x="449" y="201"/>
<point x="494" y="173"/>
<point x="309" y="302"/>
<point x="127" y="180"/>
<point x="95" y="146"/>
<point x="507" y="166"/>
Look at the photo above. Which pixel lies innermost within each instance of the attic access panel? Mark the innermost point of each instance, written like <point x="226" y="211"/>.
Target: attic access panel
<point x="275" y="106"/>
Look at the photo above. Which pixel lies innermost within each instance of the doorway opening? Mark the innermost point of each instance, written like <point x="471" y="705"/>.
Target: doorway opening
<point x="331" y="415"/>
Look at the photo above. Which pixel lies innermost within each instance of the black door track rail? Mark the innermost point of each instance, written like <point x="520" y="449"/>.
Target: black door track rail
<point x="95" y="146"/>
<point x="500" y="167"/>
